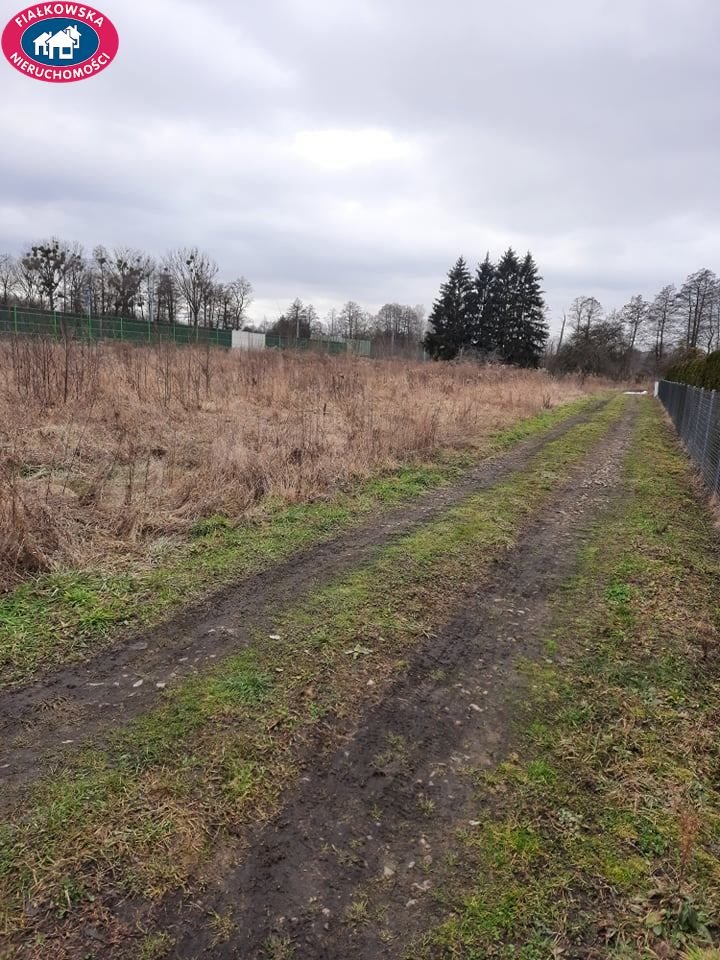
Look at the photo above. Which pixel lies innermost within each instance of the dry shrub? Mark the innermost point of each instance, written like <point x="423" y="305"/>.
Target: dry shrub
<point x="28" y="535"/>
<point x="104" y="448"/>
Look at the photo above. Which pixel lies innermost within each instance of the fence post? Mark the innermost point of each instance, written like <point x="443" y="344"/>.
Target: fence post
<point x="122" y="336"/>
<point x="15" y="317"/>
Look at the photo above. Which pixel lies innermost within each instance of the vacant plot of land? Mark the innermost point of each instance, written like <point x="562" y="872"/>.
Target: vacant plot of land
<point x="481" y="723"/>
<point x="111" y="456"/>
<point x="128" y="492"/>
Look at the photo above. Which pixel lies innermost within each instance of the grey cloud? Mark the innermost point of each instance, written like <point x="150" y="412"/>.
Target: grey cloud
<point x="587" y="132"/>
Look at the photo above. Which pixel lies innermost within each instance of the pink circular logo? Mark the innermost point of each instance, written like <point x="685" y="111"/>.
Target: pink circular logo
<point x="60" y="42"/>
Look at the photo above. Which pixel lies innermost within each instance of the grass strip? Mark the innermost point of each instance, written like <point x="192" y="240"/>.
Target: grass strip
<point x="601" y="837"/>
<point x="137" y="817"/>
<point x="59" y="618"/>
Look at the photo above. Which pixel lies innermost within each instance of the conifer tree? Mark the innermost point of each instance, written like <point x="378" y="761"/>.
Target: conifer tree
<point x="532" y="325"/>
<point x="485" y="333"/>
<point x="452" y="315"/>
<point x="500" y="311"/>
<point x="505" y="305"/>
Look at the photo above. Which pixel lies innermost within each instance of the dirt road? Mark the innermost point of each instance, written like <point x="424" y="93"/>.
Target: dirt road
<point x="360" y="838"/>
<point x="49" y="718"/>
<point x="350" y="863"/>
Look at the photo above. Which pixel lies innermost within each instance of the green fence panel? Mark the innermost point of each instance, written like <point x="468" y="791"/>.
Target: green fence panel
<point x="16" y="321"/>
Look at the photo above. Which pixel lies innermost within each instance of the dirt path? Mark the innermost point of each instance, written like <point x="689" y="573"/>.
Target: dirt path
<point x="350" y="866"/>
<point x="43" y="721"/>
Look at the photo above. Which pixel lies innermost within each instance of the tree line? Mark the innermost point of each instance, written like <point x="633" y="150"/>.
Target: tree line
<point x="643" y="336"/>
<point x="181" y="287"/>
<point x="497" y="314"/>
<point x="396" y="326"/>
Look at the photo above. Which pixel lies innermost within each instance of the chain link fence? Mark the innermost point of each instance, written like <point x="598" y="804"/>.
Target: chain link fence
<point x="696" y="415"/>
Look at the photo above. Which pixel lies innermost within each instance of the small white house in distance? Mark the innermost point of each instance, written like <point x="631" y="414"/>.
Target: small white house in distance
<point x="244" y="340"/>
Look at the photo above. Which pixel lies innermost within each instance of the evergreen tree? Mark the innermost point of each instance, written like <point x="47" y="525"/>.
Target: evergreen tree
<point x="500" y="311"/>
<point x="484" y="332"/>
<point x="505" y="305"/>
<point x="451" y="320"/>
<point x="296" y="322"/>
<point x="532" y="328"/>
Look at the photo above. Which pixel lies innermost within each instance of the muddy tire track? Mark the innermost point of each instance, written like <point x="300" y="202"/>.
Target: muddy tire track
<point x="45" y="720"/>
<point x="366" y="828"/>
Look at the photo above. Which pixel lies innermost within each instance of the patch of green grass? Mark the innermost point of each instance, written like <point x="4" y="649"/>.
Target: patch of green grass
<point x="358" y="912"/>
<point x="137" y="817"/>
<point x="155" y="946"/>
<point x="61" y="617"/>
<point x="614" y="794"/>
<point x="278" y="948"/>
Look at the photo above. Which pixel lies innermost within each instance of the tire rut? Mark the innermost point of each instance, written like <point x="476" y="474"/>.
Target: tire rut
<point x="369" y="824"/>
<point x="44" y="721"/>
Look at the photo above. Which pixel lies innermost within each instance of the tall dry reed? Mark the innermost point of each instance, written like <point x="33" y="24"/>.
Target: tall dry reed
<point x="108" y="449"/>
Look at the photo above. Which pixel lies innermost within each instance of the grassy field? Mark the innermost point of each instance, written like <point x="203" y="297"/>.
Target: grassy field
<point x="136" y="817"/>
<point x="595" y="835"/>
<point x="112" y="457"/>
<point x="85" y="598"/>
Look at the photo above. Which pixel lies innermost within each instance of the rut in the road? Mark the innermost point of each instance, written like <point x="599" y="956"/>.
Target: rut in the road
<point x="370" y="824"/>
<point x="43" y="721"/>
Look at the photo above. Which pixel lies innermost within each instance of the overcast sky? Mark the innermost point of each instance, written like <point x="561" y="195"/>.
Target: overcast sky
<point x="352" y="149"/>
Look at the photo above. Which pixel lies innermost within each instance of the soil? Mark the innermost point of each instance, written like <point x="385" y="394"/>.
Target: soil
<point x="350" y="867"/>
<point x="61" y="710"/>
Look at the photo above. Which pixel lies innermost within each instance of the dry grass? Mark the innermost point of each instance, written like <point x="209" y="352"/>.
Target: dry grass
<point x="108" y="451"/>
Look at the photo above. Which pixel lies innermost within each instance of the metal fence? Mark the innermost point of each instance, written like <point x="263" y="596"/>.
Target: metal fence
<point x="696" y="415"/>
<point x="17" y="321"/>
<point x="14" y="321"/>
<point x="319" y="345"/>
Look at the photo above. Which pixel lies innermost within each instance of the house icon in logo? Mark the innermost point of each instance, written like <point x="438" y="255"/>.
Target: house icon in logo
<point x="64" y="43"/>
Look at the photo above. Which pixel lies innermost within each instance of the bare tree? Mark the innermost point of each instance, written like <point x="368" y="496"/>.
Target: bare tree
<point x="44" y="267"/>
<point x="331" y="322"/>
<point x="101" y="258"/>
<point x="314" y="324"/>
<point x="352" y="320"/>
<point x="600" y="349"/>
<point x="166" y="296"/>
<point x="28" y="283"/>
<point x="56" y="275"/>
<point x="698" y="301"/>
<point x="193" y="273"/>
<point x="562" y="332"/>
<point x="8" y="277"/>
<point x="634" y="315"/>
<point x="662" y="317"/>
<point x="128" y="270"/>
<point x="398" y="323"/>
<point x="240" y="296"/>
<point x="584" y="314"/>
<point x="76" y="281"/>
